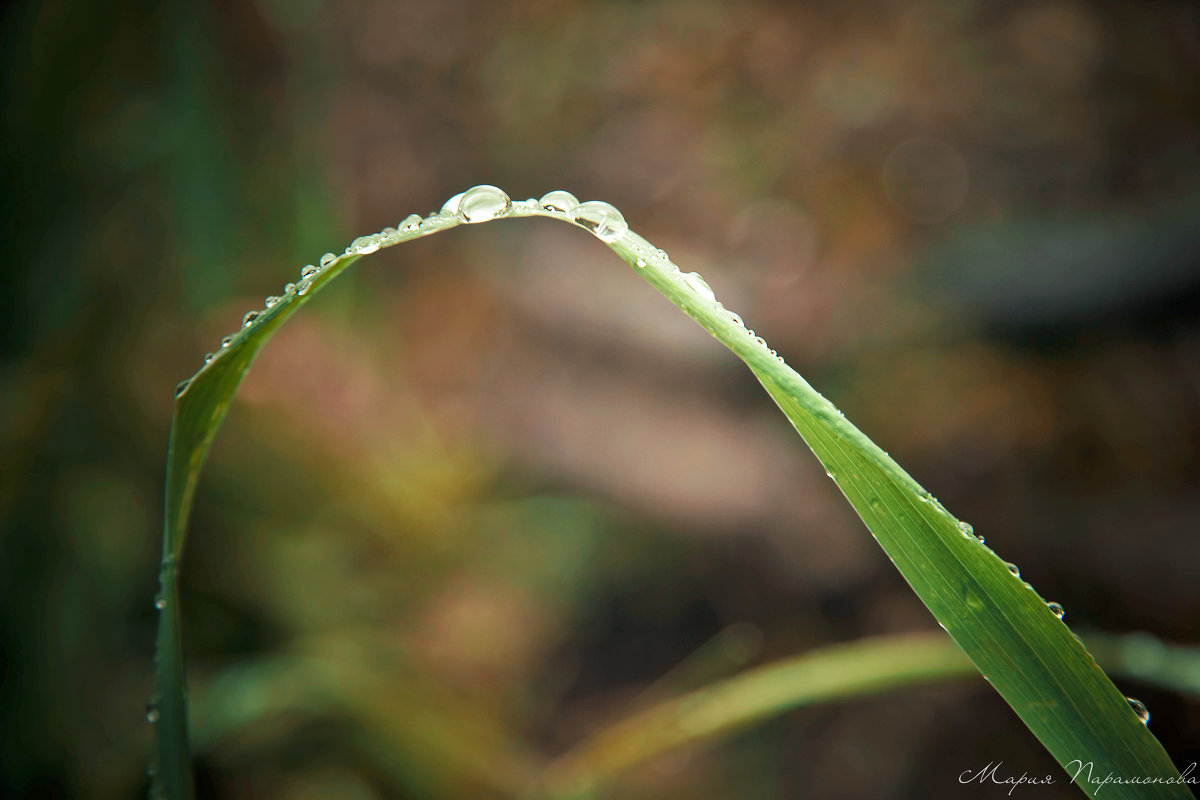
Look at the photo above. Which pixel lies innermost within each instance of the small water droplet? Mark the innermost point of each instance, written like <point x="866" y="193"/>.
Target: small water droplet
<point x="303" y="286"/>
<point x="481" y="203"/>
<point x="159" y="602"/>
<point x="248" y="320"/>
<point x="1013" y="568"/>
<point x="327" y="259"/>
<point x="289" y="289"/>
<point x="411" y="222"/>
<point x="228" y="340"/>
<point x="208" y="357"/>
<point x="641" y="262"/>
<point x="559" y="201"/>
<point x="1057" y="610"/>
<point x="272" y="301"/>
<point x="181" y="386"/>
<point x="1139" y="708"/>
<point x="736" y="320"/>
<point x="308" y="271"/>
<point x="151" y="712"/>
<point x="604" y="221"/>
<point x="967" y="529"/>
<point x="450" y="207"/>
<point x="364" y="245"/>
<point x="700" y="286"/>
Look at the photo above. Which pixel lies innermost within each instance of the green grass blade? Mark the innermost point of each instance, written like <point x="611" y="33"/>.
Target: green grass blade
<point x="827" y="673"/>
<point x="1030" y="657"/>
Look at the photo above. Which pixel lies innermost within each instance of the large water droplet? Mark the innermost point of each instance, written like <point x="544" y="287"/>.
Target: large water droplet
<point x="601" y="219"/>
<point x="1139" y="708"/>
<point x="699" y="286"/>
<point x="560" y="201"/>
<point x="1057" y="610"/>
<point x="450" y="207"/>
<point x="327" y="259"/>
<point x="365" y="245"/>
<point x="308" y="271"/>
<point x="248" y="320"/>
<point x="1013" y="568"/>
<point x="481" y="203"/>
<point x="271" y="301"/>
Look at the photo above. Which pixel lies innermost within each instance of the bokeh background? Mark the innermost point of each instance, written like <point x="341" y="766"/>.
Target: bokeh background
<point x="490" y="492"/>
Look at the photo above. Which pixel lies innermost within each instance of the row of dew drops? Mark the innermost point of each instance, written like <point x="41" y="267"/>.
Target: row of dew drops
<point x="968" y="530"/>
<point x="481" y="204"/>
<point x="484" y="203"/>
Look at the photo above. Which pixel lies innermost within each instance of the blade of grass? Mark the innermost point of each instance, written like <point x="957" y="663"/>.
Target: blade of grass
<point x="1030" y="657"/>
<point x="828" y="673"/>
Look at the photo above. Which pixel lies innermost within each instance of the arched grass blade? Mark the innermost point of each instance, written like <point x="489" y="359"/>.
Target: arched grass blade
<point x="1027" y="653"/>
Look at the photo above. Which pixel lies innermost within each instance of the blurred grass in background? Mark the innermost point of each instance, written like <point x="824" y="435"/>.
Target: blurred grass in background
<point x="461" y="517"/>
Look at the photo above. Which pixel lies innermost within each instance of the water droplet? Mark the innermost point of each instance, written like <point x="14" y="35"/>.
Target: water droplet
<point x="327" y="259"/>
<point x="601" y="219"/>
<point x="291" y="287"/>
<point x="481" y="203"/>
<point x="151" y="712"/>
<point x="1139" y="708"/>
<point x="181" y="386"/>
<point x="736" y="320"/>
<point x="560" y="201"/>
<point x="272" y="301"/>
<point x="829" y="474"/>
<point x="364" y="245"/>
<point x="308" y="272"/>
<point x="450" y="207"/>
<point x="1057" y="610"/>
<point x="924" y="497"/>
<point x="1013" y="568"/>
<point x="159" y="602"/>
<point x="411" y="222"/>
<point x="228" y="340"/>
<point x="208" y="357"/>
<point x="700" y="286"/>
<point x="641" y="262"/>
<point x="303" y="286"/>
<point x="248" y="320"/>
<point x="967" y="529"/>
<point x="388" y="235"/>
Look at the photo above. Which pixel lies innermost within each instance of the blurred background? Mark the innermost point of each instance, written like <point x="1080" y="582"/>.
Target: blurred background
<point x="490" y="492"/>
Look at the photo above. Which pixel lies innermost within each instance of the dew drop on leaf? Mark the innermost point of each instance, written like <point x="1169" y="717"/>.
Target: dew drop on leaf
<point x="601" y="219"/>
<point x="364" y="245"/>
<point x="481" y="203"/>
<point x="699" y="286"/>
<point x="1057" y="610"/>
<point x="559" y="201"/>
<point x="1139" y="708"/>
